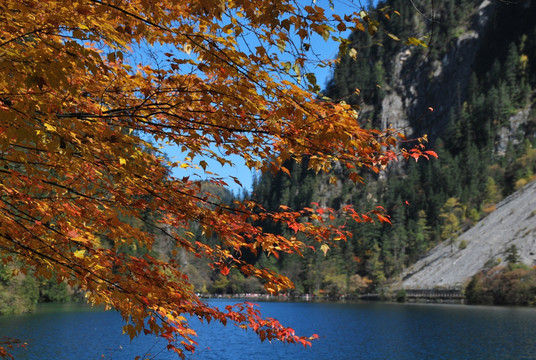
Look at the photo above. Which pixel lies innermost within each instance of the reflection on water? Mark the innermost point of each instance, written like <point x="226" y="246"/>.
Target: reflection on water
<point x="347" y="331"/>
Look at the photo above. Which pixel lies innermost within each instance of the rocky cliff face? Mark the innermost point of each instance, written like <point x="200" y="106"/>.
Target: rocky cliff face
<point x="418" y="83"/>
<point x="452" y="263"/>
<point x="422" y="82"/>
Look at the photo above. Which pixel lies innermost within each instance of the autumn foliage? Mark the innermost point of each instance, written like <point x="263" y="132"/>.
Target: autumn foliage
<point x="87" y="88"/>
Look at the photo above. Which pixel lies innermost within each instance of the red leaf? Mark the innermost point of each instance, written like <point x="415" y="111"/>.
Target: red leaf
<point x="431" y="153"/>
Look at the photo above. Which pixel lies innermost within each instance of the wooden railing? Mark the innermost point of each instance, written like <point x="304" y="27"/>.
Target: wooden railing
<point x="454" y="294"/>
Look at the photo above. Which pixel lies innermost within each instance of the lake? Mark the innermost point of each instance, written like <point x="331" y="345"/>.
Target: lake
<point x="347" y="331"/>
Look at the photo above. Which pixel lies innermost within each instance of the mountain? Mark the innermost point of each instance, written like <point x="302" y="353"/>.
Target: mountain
<point x="488" y="243"/>
<point x="471" y="90"/>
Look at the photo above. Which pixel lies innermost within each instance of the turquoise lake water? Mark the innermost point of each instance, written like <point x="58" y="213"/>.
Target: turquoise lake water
<point x="347" y="331"/>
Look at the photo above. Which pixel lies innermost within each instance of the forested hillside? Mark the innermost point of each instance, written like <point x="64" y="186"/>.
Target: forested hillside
<point x="470" y="90"/>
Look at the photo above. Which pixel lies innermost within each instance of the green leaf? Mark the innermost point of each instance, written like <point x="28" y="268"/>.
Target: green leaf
<point x="286" y="66"/>
<point x="311" y="78"/>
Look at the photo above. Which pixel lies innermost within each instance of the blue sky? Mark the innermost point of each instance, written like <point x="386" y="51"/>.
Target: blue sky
<point x="328" y="50"/>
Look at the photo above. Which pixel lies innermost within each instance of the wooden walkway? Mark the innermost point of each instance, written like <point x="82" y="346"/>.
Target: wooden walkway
<point x="435" y="294"/>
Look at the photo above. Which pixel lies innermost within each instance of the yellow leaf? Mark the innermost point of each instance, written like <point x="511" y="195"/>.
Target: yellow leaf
<point x="187" y="48"/>
<point x="415" y="42"/>
<point x="79" y="253"/>
<point x="97" y="266"/>
<point x="324" y="248"/>
<point x="122" y="161"/>
<point x="394" y="37"/>
<point x="352" y="53"/>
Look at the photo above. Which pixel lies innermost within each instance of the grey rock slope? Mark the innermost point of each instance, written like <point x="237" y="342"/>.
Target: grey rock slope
<point x="450" y="266"/>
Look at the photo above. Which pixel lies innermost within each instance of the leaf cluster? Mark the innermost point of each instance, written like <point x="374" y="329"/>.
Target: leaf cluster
<point x="88" y="91"/>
